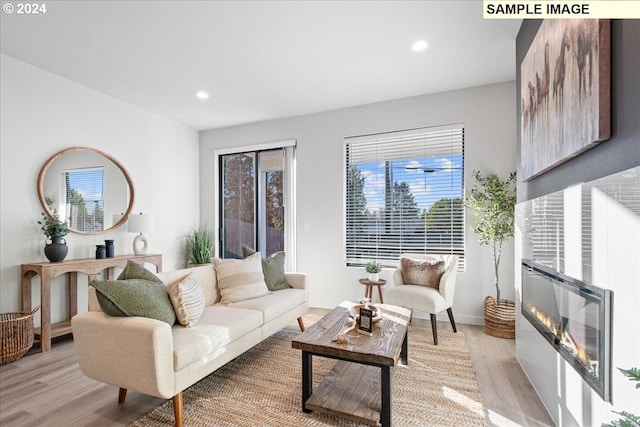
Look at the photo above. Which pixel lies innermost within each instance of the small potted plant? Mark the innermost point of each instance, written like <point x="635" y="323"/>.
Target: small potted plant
<point x="493" y="201"/>
<point x="373" y="268"/>
<point x="54" y="229"/>
<point x="199" y="246"/>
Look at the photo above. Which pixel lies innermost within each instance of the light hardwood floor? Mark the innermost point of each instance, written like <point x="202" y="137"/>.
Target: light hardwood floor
<point x="48" y="389"/>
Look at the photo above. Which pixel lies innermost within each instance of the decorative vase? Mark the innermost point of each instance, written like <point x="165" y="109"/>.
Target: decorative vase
<point x="57" y="250"/>
<point x="110" y="248"/>
<point x="101" y="252"/>
<point x="374" y="277"/>
<point x="499" y="319"/>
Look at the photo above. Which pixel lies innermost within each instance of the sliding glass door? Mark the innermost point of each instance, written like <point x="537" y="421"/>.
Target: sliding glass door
<point x="238" y="201"/>
<point x="256" y="201"/>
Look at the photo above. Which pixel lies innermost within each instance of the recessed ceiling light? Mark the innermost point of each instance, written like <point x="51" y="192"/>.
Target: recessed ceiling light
<point x="420" y="45"/>
<point x="202" y="95"/>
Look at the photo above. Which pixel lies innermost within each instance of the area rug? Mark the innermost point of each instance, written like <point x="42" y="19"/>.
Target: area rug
<point x="263" y="386"/>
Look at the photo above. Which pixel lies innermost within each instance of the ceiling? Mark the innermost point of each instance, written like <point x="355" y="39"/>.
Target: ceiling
<point x="265" y="59"/>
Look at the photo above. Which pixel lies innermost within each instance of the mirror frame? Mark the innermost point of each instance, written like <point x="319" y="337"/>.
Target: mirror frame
<point x="120" y="166"/>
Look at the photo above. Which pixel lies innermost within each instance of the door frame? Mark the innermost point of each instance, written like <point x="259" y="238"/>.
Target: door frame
<point x="289" y="196"/>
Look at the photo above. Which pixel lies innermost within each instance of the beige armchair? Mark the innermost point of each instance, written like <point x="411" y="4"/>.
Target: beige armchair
<point x="424" y="298"/>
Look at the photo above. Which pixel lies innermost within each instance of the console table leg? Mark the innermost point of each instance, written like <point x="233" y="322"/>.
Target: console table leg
<point x="385" y="385"/>
<point x="45" y="312"/>
<point x="73" y="294"/>
<point x="307" y="379"/>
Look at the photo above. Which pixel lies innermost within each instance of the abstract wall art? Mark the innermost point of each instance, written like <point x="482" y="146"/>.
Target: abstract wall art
<point x="565" y="93"/>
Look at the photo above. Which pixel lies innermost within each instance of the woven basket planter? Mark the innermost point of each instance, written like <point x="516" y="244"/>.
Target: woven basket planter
<point x="499" y="319"/>
<point x="16" y="334"/>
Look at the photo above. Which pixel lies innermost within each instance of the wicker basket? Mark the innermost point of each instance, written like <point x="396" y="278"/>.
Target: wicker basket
<point x="16" y="334"/>
<point x="499" y="319"/>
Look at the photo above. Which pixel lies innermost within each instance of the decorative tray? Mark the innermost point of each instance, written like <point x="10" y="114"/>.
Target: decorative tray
<point x="355" y="312"/>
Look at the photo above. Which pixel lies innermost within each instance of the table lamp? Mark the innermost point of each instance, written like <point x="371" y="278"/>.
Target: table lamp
<point x="116" y="220"/>
<point x="140" y="224"/>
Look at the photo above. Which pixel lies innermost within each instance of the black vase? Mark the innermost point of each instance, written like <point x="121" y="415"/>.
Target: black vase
<point x="57" y="250"/>
<point x="110" y="248"/>
<point x="101" y="252"/>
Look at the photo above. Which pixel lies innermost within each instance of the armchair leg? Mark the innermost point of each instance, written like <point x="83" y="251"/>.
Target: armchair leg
<point x="122" y="394"/>
<point x="453" y="322"/>
<point x="434" y="328"/>
<point x="177" y="409"/>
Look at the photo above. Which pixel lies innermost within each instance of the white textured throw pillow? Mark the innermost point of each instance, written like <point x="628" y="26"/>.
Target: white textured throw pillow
<point x="187" y="299"/>
<point x="240" y="279"/>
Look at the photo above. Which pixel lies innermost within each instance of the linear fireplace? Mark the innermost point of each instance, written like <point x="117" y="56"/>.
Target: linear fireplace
<point x="574" y="317"/>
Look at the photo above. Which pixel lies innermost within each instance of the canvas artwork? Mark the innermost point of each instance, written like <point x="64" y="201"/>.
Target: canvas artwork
<point x="565" y="93"/>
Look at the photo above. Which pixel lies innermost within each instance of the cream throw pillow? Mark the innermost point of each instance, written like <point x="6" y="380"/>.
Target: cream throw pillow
<point x="240" y="279"/>
<point x="187" y="299"/>
<point x="421" y="272"/>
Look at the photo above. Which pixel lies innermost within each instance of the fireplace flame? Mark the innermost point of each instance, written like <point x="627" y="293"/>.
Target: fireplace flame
<point x="565" y="339"/>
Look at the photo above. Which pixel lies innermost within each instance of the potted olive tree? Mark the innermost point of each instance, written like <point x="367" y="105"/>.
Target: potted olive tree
<point x="199" y="246"/>
<point x="492" y="200"/>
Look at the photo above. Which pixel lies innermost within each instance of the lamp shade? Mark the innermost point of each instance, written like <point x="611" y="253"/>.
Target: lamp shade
<point x="140" y="223"/>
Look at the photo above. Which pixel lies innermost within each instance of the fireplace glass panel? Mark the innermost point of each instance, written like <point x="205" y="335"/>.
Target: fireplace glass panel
<point x="573" y="316"/>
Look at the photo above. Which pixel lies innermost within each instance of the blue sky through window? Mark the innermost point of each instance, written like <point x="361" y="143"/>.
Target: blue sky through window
<point x="429" y="178"/>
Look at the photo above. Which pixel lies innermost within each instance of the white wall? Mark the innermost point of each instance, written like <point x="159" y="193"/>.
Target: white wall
<point x="610" y="244"/>
<point x="42" y="114"/>
<point x="488" y="113"/>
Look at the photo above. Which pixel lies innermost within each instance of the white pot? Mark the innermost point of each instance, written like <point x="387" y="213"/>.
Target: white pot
<point x="374" y="277"/>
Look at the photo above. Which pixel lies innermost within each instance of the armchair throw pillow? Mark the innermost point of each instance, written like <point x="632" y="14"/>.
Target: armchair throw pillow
<point x="421" y="272"/>
<point x="240" y="279"/>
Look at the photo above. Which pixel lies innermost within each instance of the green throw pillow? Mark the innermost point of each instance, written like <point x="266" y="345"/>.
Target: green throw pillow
<point x="133" y="270"/>
<point x="135" y="297"/>
<point x="272" y="268"/>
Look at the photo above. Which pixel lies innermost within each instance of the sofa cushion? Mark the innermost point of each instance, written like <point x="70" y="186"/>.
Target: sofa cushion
<point x="218" y="326"/>
<point x="240" y="279"/>
<point x="275" y="304"/>
<point x="187" y="299"/>
<point x="134" y="297"/>
<point x="133" y="270"/>
<point x="206" y="275"/>
<point x="421" y="272"/>
<point x="272" y="268"/>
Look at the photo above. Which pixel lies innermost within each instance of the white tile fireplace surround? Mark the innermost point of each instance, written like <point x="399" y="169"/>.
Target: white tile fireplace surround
<point x="588" y="234"/>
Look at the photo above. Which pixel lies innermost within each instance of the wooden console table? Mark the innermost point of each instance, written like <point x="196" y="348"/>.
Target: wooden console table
<point x="49" y="270"/>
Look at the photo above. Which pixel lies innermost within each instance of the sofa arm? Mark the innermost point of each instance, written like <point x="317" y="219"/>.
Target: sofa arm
<point x="297" y="280"/>
<point x="134" y="353"/>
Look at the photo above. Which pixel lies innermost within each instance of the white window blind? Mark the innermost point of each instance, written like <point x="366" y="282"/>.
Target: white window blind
<point x="404" y="193"/>
<point x="84" y="199"/>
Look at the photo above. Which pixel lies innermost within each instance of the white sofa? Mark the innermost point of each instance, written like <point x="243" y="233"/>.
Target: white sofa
<point x="149" y="356"/>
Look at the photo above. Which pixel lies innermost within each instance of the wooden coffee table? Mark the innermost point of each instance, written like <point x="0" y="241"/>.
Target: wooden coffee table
<point x="359" y="385"/>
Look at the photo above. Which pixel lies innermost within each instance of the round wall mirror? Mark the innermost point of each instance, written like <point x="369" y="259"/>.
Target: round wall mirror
<point x="88" y="188"/>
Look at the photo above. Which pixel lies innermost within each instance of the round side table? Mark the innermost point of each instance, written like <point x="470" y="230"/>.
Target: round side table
<point x="368" y="290"/>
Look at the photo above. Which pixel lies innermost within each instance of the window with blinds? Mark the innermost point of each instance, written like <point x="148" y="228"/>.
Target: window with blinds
<point x="84" y="199"/>
<point x="404" y="193"/>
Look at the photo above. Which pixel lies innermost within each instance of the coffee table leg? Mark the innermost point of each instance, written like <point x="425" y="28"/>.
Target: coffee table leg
<point x="386" y="396"/>
<point x="307" y="379"/>
<point x="404" y="353"/>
